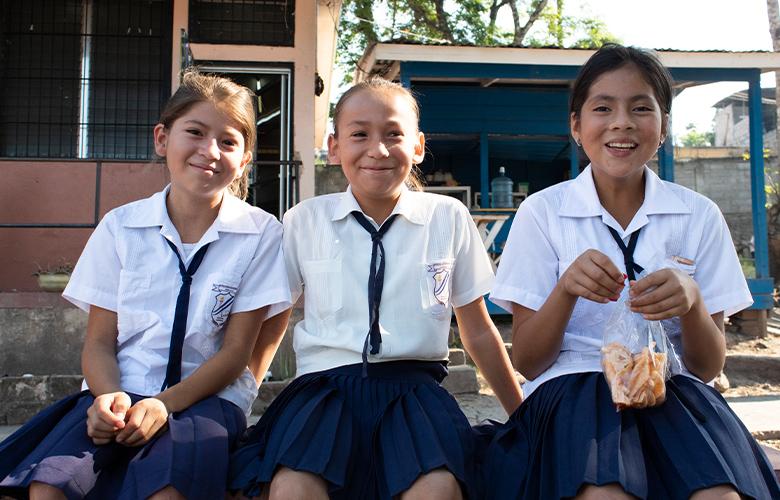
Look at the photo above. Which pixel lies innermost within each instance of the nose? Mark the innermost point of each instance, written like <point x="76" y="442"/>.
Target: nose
<point x="209" y="148"/>
<point x="623" y="118"/>
<point x="378" y="150"/>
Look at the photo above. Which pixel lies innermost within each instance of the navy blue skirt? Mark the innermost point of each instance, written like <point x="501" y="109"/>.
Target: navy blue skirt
<point x="191" y="454"/>
<point x="568" y="434"/>
<point x="367" y="437"/>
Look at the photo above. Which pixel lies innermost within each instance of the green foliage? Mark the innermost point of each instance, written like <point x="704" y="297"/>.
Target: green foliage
<point x="463" y="22"/>
<point x="695" y="139"/>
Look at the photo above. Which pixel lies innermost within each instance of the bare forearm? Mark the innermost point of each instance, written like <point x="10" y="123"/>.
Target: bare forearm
<point x="537" y="337"/>
<point x="100" y="368"/>
<point x="487" y="350"/>
<point x="271" y="335"/>
<point x="703" y="341"/>
<point x="211" y="377"/>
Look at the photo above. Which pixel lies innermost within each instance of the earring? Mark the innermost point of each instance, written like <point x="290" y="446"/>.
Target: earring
<point x="579" y="145"/>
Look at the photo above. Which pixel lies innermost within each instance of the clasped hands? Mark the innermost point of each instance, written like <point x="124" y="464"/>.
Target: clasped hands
<point x="113" y="417"/>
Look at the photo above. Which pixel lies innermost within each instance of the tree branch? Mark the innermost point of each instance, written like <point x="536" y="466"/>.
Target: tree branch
<point x="521" y="32"/>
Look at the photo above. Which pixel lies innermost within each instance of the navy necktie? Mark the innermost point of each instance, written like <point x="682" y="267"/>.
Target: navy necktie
<point x="376" y="278"/>
<point x="173" y="371"/>
<point x="628" y="252"/>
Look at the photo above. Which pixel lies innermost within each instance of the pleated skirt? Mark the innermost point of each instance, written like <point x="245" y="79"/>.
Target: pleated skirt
<point x="191" y="454"/>
<point x="568" y="434"/>
<point x="368" y="437"/>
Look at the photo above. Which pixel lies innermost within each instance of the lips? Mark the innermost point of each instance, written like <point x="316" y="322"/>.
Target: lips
<point x="207" y="168"/>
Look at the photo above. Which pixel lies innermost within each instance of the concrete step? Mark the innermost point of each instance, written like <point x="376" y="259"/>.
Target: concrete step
<point x="757" y="367"/>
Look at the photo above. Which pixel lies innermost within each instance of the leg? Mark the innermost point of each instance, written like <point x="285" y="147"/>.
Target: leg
<point x="288" y="484"/>
<point x="607" y="492"/>
<point x="167" y="493"/>
<point x="43" y="491"/>
<point x="439" y="484"/>
<point x="722" y="492"/>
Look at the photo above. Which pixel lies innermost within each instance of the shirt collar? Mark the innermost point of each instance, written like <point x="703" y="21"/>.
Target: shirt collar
<point x="581" y="200"/>
<point x="406" y="206"/>
<point x="233" y="217"/>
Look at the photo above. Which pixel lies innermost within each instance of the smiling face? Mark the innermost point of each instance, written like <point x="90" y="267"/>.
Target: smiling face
<point x="204" y="151"/>
<point x="620" y="124"/>
<point x="377" y="143"/>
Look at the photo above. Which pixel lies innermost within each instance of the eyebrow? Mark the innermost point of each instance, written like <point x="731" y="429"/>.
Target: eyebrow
<point x="198" y="122"/>
<point x="363" y="123"/>
<point x="606" y="97"/>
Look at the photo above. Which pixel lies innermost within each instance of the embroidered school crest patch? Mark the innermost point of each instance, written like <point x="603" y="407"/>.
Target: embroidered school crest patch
<point x="223" y="300"/>
<point x="439" y="274"/>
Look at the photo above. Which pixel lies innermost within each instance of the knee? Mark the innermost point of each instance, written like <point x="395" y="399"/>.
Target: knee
<point x="288" y="484"/>
<point x="723" y="492"/>
<point x="43" y="491"/>
<point x="436" y="485"/>
<point x="167" y="493"/>
<point x="607" y="492"/>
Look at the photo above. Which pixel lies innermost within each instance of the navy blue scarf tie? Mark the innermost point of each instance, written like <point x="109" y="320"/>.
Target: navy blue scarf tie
<point x="173" y="371"/>
<point x="376" y="278"/>
<point x="632" y="268"/>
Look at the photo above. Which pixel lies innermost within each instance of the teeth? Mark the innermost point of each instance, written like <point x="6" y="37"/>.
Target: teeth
<point x="621" y="145"/>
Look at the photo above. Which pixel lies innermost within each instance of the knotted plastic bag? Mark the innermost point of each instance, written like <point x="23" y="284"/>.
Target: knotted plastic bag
<point x="636" y="357"/>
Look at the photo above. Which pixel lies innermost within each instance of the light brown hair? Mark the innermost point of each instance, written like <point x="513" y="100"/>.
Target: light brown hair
<point x="235" y="100"/>
<point x="380" y="85"/>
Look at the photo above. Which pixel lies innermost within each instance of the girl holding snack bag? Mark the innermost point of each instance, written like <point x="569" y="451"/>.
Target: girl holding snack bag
<point x="572" y="251"/>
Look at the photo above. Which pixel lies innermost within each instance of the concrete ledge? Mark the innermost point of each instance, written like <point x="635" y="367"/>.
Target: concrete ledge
<point x="23" y="397"/>
<point x="461" y="380"/>
<point x="766" y="368"/>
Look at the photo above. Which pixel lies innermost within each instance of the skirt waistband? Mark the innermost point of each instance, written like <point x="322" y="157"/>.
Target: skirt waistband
<point x="405" y="370"/>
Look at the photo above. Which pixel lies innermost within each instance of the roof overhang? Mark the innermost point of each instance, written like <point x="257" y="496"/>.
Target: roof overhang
<point x="385" y="59"/>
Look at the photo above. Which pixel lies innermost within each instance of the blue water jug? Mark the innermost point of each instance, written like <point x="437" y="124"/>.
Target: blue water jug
<point x="501" y="188"/>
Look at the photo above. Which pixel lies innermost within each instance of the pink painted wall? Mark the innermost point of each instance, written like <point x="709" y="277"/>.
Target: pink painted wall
<point x="60" y="192"/>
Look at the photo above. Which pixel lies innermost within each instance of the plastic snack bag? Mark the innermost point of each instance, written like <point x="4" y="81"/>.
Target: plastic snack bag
<point x="635" y="357"/>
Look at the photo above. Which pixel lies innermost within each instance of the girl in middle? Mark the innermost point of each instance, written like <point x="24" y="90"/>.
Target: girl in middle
<point x="366" y="416"/>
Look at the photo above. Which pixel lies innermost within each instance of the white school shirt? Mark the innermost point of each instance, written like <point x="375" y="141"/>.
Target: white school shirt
<point x="554" y="226"/>
<point x="435" y="260"/>
<point x="127" y="267"/>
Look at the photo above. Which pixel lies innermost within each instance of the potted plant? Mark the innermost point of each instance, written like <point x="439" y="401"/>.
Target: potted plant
<point x="54" y="278"/>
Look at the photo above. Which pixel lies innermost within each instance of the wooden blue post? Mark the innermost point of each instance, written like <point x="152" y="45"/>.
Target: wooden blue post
<point x="484" y="173"/>
<point x="666" y="159"/>
<point x="757" y="177"/>
<point x="574" y="159"/>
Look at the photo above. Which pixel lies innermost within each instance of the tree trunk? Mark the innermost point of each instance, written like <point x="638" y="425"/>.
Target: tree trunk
<point x="520" y="32"/>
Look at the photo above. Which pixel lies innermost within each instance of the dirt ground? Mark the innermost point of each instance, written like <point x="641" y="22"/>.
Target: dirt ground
<point x="745" y="384"/>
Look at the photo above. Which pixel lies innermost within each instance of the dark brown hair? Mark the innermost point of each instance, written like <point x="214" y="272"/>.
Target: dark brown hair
<point x="612" y="56"/>
<point x="380" y="85"/>
<point x="235" y="100"/>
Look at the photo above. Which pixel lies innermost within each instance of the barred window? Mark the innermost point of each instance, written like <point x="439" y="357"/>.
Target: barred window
<point x="251" y="22"/>
<point x="82" y="78"/>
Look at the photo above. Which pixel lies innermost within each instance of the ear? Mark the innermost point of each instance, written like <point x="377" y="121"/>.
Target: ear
<point x="160" y="140"/>
<point x="419" y="149"/>
<point x="574" y="126"/>
<point x="244" y="162"/>
<point x="334" y="157"/>
<point x="664" y="127"/>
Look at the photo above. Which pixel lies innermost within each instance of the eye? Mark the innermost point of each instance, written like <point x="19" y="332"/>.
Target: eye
<point x="358" y="134"/>
<point x="601" y="109"/>
<point x="395" y="133"/>
<point x="193" y="131"/>
<point x="229" y="142"/>
<point x="643" y="108"/>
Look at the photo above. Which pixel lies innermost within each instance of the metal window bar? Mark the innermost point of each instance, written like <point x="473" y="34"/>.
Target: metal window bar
<point x="250" y="22"/>
<point x="82" y="78"/>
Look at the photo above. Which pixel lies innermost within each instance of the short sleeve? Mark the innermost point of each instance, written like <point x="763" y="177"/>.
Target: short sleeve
<point x="265" y="280"/>
<point x="473" y="272"/>
<point x="95" y="279"/>
<point x="528" y="270"/>
<point x="294" y="276"/>
<point x="718" y="272"/>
